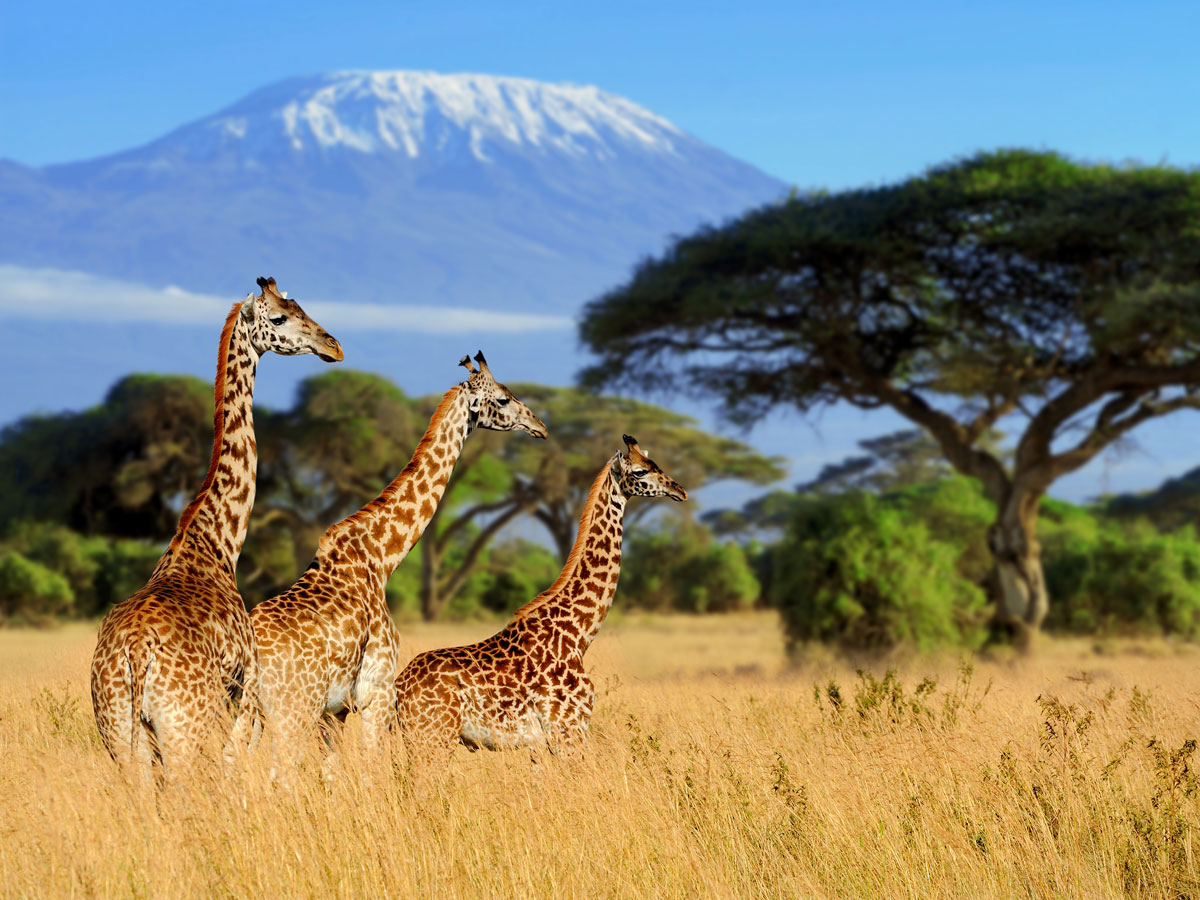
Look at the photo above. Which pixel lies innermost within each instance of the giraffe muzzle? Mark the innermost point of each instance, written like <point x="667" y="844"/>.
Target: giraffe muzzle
<point x="333" y="351"/>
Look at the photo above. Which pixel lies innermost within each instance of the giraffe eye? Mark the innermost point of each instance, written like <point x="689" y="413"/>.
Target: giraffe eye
<point x="503" y="401"/>
<point x="639" y="473"/>
<point x="277" y="319"/>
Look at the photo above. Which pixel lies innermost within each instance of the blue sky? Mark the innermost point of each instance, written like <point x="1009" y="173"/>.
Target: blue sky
<point x="829" y="95"/>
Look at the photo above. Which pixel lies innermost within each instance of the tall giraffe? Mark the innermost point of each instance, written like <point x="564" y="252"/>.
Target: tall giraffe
<point x="327" y="645"/>
<point x="170" y="658"/>
<point x="525" y="685"/>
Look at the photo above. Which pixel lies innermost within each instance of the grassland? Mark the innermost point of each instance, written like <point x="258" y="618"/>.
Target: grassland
<point x="712" y="771"/>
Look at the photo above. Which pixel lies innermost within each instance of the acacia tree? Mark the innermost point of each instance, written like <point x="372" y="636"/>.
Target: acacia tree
<point x="123" y="467"/>
<point x="1059" y="297"/>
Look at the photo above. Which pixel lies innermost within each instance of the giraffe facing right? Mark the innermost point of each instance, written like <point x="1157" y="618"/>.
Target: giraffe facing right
<point x="171" y="658"/>
<point x="525" y="686"/>
<point x="327" y="645"/>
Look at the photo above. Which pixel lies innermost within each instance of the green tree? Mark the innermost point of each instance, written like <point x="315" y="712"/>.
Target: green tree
<point x="125" y="467"/>
<point x="1172" y="505"/>
<point x="1011" y="284"/>
<point x="681" y="567"/>
<point x="853" y="571"/>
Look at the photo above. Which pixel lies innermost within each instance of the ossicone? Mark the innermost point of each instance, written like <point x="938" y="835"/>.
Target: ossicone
<point x="466" y="363"/>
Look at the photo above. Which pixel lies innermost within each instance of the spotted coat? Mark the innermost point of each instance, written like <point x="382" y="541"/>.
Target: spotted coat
<point x="327" y="645"/>
<point x="526" y="686"/>
<point x="169" y="660"/>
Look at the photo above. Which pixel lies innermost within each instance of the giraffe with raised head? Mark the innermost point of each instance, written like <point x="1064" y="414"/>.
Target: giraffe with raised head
<point x="526" y="686"/>
<point x="171" y="659"/>
<point x="327" y="646"/>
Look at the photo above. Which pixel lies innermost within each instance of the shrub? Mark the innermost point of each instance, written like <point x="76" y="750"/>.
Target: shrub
<point x="1109" y="578"/>
<point x="29" y="592"/>
<point x="681" y="567"/>
<point x="859" y="573"/>
<point x="98" y="571"/>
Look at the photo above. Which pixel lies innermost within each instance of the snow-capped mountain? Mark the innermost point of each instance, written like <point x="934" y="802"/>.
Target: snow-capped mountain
<point x="425" y="114"/>
<point x="394" y="187"/>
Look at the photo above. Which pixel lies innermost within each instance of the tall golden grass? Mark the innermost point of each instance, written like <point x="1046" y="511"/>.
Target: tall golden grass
<point x="713" y="770"/>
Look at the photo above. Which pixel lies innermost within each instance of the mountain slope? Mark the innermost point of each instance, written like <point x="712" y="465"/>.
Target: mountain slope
<point x="406" y="187"/>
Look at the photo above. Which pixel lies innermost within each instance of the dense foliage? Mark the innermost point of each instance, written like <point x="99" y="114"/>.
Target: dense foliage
<point x="1008" y="284"/>
<point x="681" y="566"/>
<point x="867" y="574"/>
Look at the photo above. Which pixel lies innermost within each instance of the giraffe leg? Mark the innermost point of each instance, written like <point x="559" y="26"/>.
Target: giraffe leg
<point x="247" y="725"/>
<point x="378" y="710"/>
<point x="569" y="727"/>
<point x="292" y="731"/>
<point x="244" y="735"/>
<point x="431" y="734"/>
<point x="333" y="729"/>
<point x="113" y="706"/>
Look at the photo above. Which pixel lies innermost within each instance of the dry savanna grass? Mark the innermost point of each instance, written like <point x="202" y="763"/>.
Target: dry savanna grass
<point x="713" y="770"/>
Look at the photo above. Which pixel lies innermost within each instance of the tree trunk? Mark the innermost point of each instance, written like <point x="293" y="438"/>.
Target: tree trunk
<point x="431" y="599"/>
<point x="1018" y="585"/>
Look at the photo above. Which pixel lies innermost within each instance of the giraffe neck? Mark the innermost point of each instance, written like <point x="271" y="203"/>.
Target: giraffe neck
<point x="213" y="526"/>
<point x="387" y="528"/>
<point x="577" y="603"/>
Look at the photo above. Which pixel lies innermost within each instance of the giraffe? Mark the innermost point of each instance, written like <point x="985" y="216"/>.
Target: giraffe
<point x="169" y="660"/>
<point x="525" y="686"/>
<point x="327" y="645"/>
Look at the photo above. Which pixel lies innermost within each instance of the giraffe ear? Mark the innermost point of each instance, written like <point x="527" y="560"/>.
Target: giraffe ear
<point x="248" y="308"/>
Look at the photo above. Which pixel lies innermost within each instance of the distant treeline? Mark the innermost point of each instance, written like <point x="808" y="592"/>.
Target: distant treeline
<point x="89" y="499"/>
<point x="885" y="548"/>
<point x="890" y="548"/>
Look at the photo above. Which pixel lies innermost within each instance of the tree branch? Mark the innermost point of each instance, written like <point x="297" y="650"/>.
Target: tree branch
<point x="1109" y="427"/>
<point x="459" y="576"/>
<point x="955" y="440"/>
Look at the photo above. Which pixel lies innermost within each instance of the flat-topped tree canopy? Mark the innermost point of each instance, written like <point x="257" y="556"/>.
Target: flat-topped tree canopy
<point x="1011" y="282"/>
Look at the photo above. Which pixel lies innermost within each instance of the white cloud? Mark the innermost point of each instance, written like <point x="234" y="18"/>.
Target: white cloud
<point x="54" y="294"/>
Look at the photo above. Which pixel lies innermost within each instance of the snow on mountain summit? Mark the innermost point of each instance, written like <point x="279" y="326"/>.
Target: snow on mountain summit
<point x="474" y="191"/>
<point x="425" y="113"/>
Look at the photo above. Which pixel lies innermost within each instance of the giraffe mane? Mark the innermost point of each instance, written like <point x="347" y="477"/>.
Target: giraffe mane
<point x="189" y="512"/>
<point x="426" y="441"/>
<point x="572" y="563"/>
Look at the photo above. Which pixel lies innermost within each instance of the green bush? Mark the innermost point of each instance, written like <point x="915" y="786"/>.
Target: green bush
<point x="1113" y="579"/>
<point x="865" y="575"/>
<point x="29" y="592"/>
<point x="680" y="566"/>
<point x="955" y="512"/>
<point x="99" y="571"/>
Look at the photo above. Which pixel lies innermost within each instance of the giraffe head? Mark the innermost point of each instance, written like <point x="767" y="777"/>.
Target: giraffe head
<point x="639" y="475"/>
<point x="493" y="405"/>
<point x="280" y="325"/>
